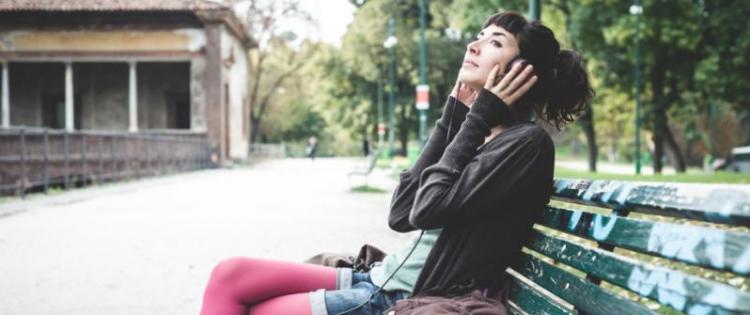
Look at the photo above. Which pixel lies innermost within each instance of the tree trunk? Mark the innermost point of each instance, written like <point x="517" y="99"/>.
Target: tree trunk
<point x="673" y="149"/>
<point x="658" y="151"/>
<point x="658" y="75"/>
<point x="587" y="122"/>
<point x="254" y="130"/>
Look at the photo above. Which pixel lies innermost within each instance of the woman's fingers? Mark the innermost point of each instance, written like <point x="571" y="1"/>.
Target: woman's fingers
<point x="456" y="88"/>
<point x="511" y="73"/>
<point x="471" y="95"/>
<point x="522" y="90"/>
<point x="491" y="77"/>
<point x="514" y="84"/>
<point x="467" y="95"/>
<point x="520" y="79"/>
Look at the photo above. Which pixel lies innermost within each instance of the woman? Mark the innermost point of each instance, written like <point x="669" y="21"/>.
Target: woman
<point x="483" y="177"/>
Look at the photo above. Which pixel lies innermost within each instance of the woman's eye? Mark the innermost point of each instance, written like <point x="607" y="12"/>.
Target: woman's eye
<point x="495" y="43"/>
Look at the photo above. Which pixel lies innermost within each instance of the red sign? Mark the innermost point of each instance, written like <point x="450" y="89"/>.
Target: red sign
<point x="423" y="96"/>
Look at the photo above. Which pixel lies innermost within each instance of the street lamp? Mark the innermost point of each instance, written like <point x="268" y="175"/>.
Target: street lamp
<point x="389" y="43"/>
<point x="381" y="124"/>
<point x="423" y="90"/>
<point x="637" y="10"/>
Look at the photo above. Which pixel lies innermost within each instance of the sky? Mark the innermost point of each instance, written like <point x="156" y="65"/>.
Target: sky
<point x="333" y="16"/>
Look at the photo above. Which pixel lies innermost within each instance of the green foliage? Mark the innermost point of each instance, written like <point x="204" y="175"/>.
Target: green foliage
<point x="690" y="177"/>
<point x="367" y="189"/>
<point x="693" y="53"/>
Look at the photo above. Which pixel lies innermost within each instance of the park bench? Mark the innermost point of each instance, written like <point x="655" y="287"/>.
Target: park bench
<point x="615" y="247"/>
<point x="365" y="172"/>
<point x="741" y="159"/>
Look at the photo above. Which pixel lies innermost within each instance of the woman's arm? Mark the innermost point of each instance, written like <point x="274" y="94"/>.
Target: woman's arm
<point x="463" y="187"/>
<point x="454" y="113"/>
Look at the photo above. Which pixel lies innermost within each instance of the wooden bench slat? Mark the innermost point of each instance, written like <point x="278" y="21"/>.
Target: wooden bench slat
<point x="711" y="203"/>
<point x="683" y="292"/>
<point x="583" y="294"/>
<point x="532" y="301"/>
<point x="514" y="310"/>
<point x="702" y="246"/>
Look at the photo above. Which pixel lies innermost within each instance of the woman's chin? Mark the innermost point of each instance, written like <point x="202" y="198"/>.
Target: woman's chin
<point x="467" y="80"/>
<point x="473" y="84"/>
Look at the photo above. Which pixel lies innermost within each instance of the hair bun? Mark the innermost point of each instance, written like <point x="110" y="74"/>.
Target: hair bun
<point x="571" y="89"/>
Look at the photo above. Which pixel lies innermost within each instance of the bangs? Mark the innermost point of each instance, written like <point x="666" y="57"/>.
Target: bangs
<point x="510" y="21"/>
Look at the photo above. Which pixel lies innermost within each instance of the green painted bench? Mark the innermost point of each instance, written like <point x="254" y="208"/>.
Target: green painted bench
<point x="609" y="247"/>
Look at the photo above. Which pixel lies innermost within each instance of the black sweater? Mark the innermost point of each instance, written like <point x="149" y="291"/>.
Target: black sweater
<point x="484" y="196"/>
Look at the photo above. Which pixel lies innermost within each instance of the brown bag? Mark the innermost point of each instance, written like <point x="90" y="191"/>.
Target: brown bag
<point x="473" y="303"/>
<point x="368" y="255"/>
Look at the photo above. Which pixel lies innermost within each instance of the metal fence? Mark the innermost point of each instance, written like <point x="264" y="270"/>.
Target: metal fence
<point x="267" y="150"/>
<point x="34" y="159"/>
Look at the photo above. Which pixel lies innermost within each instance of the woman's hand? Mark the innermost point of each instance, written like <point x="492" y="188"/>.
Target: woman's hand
<point x="464" y="94"/>
<point x="513" y="85"/>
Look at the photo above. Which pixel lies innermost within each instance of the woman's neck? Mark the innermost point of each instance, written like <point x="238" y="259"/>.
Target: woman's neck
<point x="494" y="132"/>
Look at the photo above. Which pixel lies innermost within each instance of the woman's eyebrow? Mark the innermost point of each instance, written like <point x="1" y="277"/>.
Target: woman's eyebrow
<point x="494" y="34"/>
<point x="498" y="34"/>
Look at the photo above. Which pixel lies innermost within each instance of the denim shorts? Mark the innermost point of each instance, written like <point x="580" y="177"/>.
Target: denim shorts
<point x="352" y="290"/>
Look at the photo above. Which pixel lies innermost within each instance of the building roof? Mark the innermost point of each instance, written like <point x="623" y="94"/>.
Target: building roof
<point x="112" y="5"/>
<point x="205" y="10"/>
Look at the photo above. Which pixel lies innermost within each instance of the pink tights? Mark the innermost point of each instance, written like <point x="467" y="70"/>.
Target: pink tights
<point x="262" y="287"/>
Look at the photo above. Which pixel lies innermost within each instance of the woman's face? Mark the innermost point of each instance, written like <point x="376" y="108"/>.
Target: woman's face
<point x="493" y="45"/>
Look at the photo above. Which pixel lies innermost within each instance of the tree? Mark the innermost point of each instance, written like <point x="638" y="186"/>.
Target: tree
<point x="688" y="48"/>
<point x="363" y="52"/>
<point x="264" y="24"/>
<point x="721" y="76"/>
<point x="565" y="8"/>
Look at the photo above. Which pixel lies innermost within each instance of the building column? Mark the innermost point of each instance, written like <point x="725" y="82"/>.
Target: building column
<point x="6" y="97"/>
<point x="133" y="97"/>
<point x="69" y="124"/>
<point x="214" y="109"/>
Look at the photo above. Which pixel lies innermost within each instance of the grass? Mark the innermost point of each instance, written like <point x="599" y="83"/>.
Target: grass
<point x="367" y="189"/>
<point x="717" y="177"/>
<point x="399" y="162"/>
<point x="692" y="176"/>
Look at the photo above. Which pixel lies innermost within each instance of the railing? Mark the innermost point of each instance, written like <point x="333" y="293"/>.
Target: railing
<point x="268" y="150"/>
<point x="299" y="150"/>
<point x="33" y="159"/>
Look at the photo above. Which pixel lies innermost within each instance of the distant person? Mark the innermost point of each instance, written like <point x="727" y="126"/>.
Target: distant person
<point x="366" y="146"/>
<point x="482" y="179"/>
<point x="312" y="147"/>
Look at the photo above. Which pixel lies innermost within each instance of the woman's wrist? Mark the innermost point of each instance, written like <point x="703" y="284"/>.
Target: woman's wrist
<point x="454" y="112"/>
<point x="492" y="110"/>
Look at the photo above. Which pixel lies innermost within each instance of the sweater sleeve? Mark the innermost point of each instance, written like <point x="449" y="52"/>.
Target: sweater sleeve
<point x="446" y="128"/>
<point x="461" y="186"/>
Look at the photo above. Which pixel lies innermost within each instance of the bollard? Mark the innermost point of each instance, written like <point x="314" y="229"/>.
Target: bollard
<point x="45" y="170"/>
<point x="66" y="166"/>
<point x="83" y="159"/>
<point x="22" y="183"/>
<point x="99" y="156"/>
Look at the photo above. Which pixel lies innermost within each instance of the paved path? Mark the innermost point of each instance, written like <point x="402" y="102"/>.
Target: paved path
<point x="147" y="247"/>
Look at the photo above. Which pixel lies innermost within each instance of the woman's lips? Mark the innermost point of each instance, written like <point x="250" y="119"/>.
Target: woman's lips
<point x="470" y="63"/>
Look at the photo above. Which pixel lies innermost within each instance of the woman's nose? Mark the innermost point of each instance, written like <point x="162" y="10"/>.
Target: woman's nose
<point x="472" y="47"/>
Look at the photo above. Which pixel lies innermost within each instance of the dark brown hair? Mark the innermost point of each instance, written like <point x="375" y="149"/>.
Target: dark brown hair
<point x="562" y="89"/>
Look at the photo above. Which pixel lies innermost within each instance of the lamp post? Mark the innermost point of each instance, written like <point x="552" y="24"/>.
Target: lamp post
<point x="389" y="43"/>
<point x="381" y="124"/>
<point x="637" y="10"/>
<point x="535" y="10"/>
<point x="423" y="90"/>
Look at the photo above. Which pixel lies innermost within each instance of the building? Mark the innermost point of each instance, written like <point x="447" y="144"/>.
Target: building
<point x="130" y="66"/>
